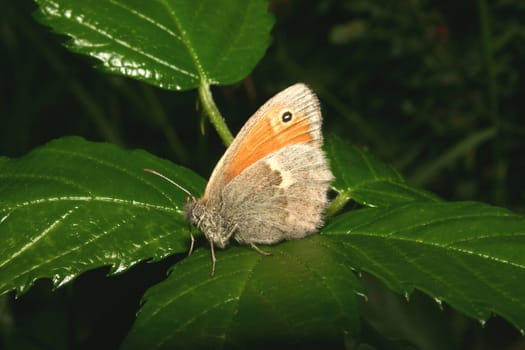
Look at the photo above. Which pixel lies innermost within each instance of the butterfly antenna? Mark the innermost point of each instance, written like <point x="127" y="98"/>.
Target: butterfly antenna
<point x="170" y="181"/>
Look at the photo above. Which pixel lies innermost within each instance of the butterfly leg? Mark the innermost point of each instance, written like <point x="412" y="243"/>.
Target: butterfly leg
<point x="191" y="234"/>
<point x="213" y="260"/>
<point x="232" y="231"/>
<point x="192" y="244"/>
<point x="259" y="250"/>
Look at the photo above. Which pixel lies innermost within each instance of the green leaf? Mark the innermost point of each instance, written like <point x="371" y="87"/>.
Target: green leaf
<point x="363" y="178"/>
<point x="74" y="205"/>
<point x="467" y="254"/>
<point x="303" y="294"/>
<point x="173" y="44"/>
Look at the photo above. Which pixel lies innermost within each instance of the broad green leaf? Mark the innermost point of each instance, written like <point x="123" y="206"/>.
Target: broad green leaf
<point x="467" y="254"/>
<point x="74" y="205"/>
<point x="303" y="294"/>
<point x="173" y="44"/>
<point x="361" y="177"/>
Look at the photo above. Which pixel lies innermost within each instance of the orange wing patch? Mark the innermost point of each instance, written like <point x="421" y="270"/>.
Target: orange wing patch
<point x="268" y="135"/>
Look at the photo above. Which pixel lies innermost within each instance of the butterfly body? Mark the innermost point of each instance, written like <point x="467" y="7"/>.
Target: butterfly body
<point x="271" y="184"/>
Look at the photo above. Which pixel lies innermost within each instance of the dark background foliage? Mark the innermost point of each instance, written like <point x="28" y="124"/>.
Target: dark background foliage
<point x="433" y="87"/>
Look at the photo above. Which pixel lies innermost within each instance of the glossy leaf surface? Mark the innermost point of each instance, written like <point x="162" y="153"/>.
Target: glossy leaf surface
<point x="74" y="205"/>
<point x="173" y="44"/>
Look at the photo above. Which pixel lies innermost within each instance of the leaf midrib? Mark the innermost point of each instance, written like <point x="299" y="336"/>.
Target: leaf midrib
<point x="120" y="201"/>
<point x="445" y="247"/>
<point x="361" y="185"/>
<point x="49" y="229"/>
<point x="132" y="48"/>
<point x="187" y="42"/>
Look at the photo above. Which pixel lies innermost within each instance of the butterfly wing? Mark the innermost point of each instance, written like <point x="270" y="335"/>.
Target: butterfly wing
<point x="279" y="197"/>
<point x="291" y="117"/>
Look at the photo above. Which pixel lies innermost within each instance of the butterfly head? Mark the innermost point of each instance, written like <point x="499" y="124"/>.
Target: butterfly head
<point x="206" y="218"/>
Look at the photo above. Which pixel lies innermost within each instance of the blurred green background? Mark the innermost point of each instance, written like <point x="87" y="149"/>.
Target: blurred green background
<point x="435" y="88"/>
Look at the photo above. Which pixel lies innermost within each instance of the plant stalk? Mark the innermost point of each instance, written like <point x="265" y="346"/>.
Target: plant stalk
<point x="213" y="113"/>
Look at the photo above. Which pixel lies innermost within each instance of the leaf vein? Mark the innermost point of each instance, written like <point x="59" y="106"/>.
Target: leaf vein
<point x="442" y="246"/>
<point x="132" y="48"/>
<point x="40" y="236"/>
<point x="186" y="40"/>
<point x="111" y="166"/>
<point x="133" y="203"/>
<point x="147" y="19"/>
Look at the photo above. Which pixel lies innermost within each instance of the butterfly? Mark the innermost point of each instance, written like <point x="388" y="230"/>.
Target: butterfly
<point x="271" y="184"/>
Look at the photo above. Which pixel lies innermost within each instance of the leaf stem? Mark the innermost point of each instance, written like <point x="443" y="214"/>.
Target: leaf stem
<point x="337" y="204"/>
<point x="213" y="113"/>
